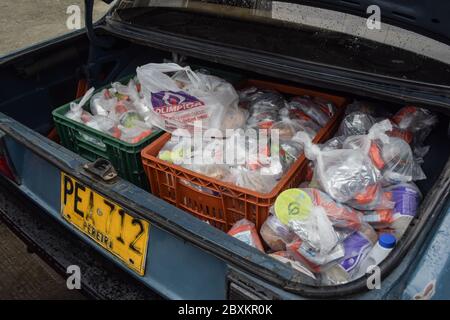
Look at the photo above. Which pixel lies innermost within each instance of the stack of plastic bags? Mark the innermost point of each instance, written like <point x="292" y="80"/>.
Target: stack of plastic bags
<point x="241" y="159"/>
<point x="362" y="186"/>
<point x="396" y="158"/>
<point x="316" y="235"/>
<point x="118" y="111"/>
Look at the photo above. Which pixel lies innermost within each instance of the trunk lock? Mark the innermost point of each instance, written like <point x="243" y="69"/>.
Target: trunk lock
<point x="101" y="168"/>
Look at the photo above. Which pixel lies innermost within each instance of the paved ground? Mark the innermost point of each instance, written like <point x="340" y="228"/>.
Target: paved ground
<point x="24" y="22"/>
<point x="25" y="275"/>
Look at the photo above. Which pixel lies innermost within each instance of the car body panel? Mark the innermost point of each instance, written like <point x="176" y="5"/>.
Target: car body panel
<point x="430" y="277"/>
<point x="170" y="260"/>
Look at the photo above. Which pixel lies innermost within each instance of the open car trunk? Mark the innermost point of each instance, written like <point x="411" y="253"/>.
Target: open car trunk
<point x="34" y="85"/>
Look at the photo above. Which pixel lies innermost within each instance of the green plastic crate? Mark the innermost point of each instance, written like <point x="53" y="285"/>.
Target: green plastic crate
<point x="92" y="144"/>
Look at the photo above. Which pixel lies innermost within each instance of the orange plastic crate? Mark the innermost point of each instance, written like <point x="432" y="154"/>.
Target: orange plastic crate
<point x="225" y="203"/>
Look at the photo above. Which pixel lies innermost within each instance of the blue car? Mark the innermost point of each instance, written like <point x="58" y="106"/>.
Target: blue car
<point x="388" y="52"/>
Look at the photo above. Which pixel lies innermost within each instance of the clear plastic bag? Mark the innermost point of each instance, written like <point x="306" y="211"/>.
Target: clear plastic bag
<point x="287" y="258"/>
<point x="178" y="101"/>
<point x="289" y="152"/>
<point x="215" y="171"/>
<point x="311" y="109"/>
<point x="356" y="247"/>
<point x="406" y="197"/>
<point x="316" y="230"/>
<point x="346" y="173"/>
<point x="333" y="143"/>
<point x="249" y="95"/>
<point x="298" y="204"/>
<point x="326" y="106"/>
<point x="392" y="156"/>
<point x="102" y="103"/>
<point x="291" y="111"/>
<point x="254" y="98"/>
<point x="235" y="118"/>
<point x="176" y="150"/>
<point x="245" y="231"/>
<point x="416" y="120"/>
<point x="275" y="234"/>
<point x="131" y="119"/>
<point x="76" y="112"/>
<point x="114" y="113"/>
<point x="371" y="198"/>
<point x="132" y="91"/>
<point x="315" y="261"/>
<point x="356" y="123"/>
<point x="320" y="225"/>
<point x="400" y="165"/>
<point x="134" y="134"/>
<point x="264" y="110"/>
<point x="243" y="170"/>
<point x="101" y="123"/>
<point x="396" y="132"/>
<point x="343" y="217"/>
<point x="253" y="180"/>
<point x="379" y="219"/>
<point x="287" y="128"/>
<point x="291" y="148"/>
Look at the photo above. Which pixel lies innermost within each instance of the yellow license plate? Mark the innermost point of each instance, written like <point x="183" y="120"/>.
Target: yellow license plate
<point x="105" y="222"/>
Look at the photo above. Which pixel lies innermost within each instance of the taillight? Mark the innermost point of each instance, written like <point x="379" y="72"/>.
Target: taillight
<point x="6" y="167"/>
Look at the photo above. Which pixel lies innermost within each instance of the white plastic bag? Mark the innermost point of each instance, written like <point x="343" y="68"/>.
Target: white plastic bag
<point x="102" y="103"/>
<point x="400" y="163"/>
<point x="346" y="173"/>
<point x="356" y="246"/>
<point x="276" y="234"/>
<point x="131" y="90"/>
<point x="76" y="109"/>
<point x="253" y="180"/>
<point x="245" y="231"/>
<point x="179" y="100"/>
<point x="392" y="156"/>
<point x="316" y="230"/>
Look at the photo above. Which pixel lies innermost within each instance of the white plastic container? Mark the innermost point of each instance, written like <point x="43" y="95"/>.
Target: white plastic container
<point x="386" y="242"/>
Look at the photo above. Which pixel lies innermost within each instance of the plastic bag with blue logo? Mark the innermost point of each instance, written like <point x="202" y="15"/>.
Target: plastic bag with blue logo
<point x="179" y="98"/>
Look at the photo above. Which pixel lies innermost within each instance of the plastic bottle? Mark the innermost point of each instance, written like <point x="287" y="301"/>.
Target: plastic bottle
<point x="386" y="242"/>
